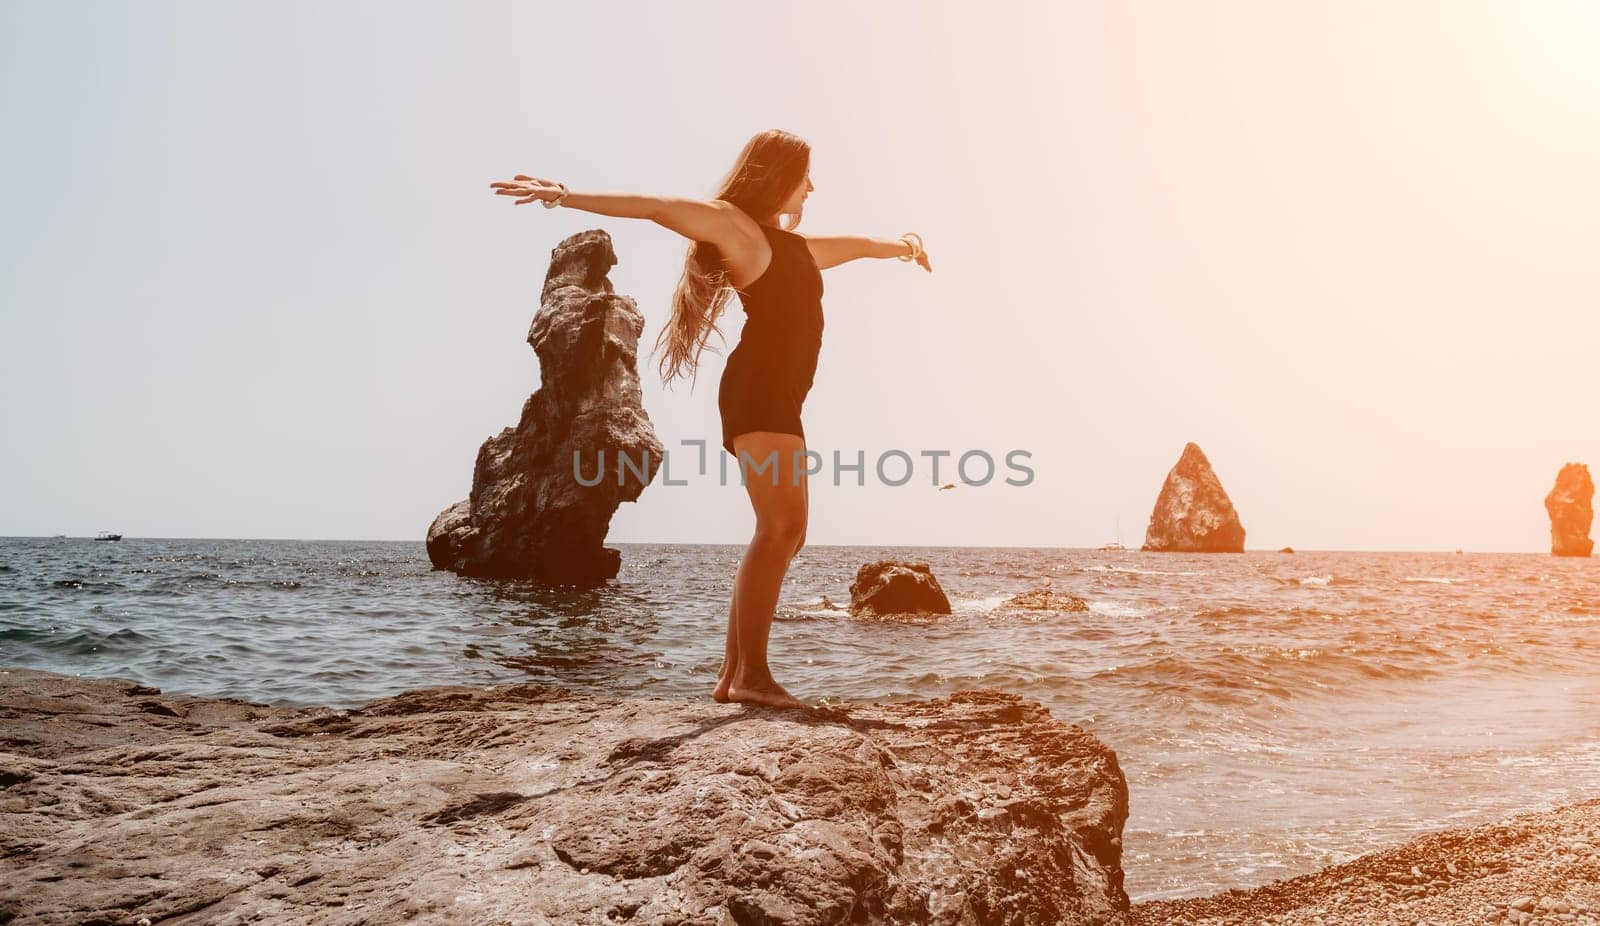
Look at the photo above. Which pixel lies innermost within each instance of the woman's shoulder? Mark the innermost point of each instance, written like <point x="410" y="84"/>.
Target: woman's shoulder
<point x="741" y="219"/>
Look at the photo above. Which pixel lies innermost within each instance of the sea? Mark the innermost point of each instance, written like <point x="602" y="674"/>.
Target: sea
<point x="1273" y="712"/>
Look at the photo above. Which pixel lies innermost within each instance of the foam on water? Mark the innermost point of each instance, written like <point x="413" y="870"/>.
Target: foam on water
<point x="1130" y="570"/>
<point x="1116" y="609"/>
<point x="984" y="603"/>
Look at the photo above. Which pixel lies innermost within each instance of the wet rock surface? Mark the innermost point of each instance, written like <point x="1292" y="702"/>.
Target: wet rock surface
<point x="529" y="804"/>
<point x="1043" y="599"/>
<point x="895" y="587"/>
<point x="530" y="515"/>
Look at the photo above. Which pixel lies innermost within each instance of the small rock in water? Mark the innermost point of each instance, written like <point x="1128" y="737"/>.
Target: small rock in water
<point x="1043" y="599"/>
<point x="895" y="587"/>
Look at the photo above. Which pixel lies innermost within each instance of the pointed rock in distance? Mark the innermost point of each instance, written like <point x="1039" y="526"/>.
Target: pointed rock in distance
<point x="1193" y="514"/>
<point x="1571" y="508"/>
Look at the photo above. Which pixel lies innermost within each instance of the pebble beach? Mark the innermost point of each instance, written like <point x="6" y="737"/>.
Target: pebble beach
<point x="1539" y="867"/>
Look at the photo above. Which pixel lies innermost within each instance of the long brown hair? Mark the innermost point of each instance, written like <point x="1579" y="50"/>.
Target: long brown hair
<point x="771" y="167"/>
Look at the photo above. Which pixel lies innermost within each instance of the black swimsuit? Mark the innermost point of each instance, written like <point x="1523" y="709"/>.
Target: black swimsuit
<point x="769" y="372"/>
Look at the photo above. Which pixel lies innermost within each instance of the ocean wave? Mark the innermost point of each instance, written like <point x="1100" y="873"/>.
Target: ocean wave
<point x="1579" y="617"/>
<point x="1278" y="672"/>
<point x="86" y="642"/>
<point x="1130" y="570"/>
<point x="1218" y="612"/>
<point x="807" y="611"/>
<point x="1319" y="580"/>
<point x="1116" y="609"/>
<point x="91" y="586"/>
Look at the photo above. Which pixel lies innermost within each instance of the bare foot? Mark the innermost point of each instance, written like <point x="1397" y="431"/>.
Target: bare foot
<point x="720" y="693"/>
<point x="767" y="695"/>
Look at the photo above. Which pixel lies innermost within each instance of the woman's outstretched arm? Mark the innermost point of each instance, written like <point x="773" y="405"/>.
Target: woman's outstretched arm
<point x="698" y="220"/>
<point x="833" y="250"/>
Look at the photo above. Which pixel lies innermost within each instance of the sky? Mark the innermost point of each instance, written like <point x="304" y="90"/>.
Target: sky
<point x="253" y="282"/>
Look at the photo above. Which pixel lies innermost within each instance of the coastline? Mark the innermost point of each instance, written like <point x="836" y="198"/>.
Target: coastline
<point x="528" y="804"/>
<point x="121" y="802"/>
<point x="1540" y="867"/>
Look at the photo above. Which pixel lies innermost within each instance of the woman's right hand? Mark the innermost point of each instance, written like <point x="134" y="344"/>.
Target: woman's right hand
<point x="528" y="188"/>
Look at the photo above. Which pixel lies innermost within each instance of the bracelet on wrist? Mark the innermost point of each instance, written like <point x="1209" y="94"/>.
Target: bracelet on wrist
<point x="914" y="245"/>
<point x="552" y="203"/>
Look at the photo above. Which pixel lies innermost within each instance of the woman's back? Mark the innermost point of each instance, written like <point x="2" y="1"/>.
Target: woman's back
<point x="770" y="371"/>
<point x="783" y="307"/>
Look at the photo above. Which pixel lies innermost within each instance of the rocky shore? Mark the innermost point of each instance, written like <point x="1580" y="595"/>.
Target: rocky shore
<point x="527" y="804"/>
<point x="1533" y="868"/>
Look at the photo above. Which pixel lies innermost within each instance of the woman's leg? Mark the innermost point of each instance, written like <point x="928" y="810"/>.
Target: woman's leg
<point x="730" y="655"/>
<point x="778" y="495"/>
<point x="805" y="510"/>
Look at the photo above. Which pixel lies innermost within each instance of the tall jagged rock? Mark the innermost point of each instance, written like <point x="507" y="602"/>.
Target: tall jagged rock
<point x="1571" y="508"/>
<point x="530" y="515"/>
<point x="1193" y="514"/>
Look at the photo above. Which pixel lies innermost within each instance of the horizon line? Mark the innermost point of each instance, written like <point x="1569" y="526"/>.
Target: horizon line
<point x="914" y="546"/>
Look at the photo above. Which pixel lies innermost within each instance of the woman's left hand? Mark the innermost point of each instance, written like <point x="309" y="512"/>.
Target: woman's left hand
<point x="913" y="241"/>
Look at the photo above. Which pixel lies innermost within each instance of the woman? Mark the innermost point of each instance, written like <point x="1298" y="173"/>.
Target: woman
<point x="738" y="246"/>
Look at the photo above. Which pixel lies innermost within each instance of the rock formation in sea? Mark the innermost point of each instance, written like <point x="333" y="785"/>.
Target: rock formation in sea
<point x="530" y="514"/>
<point x="1193" y="514"/>
<point x="1571" y="508"/>
<point x="524" y="803"/>
<point x="893" y="587"/>
<point x="1044" y="599"/>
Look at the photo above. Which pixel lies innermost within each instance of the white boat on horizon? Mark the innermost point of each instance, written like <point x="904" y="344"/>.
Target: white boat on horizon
<point x="1115" y="546"/>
